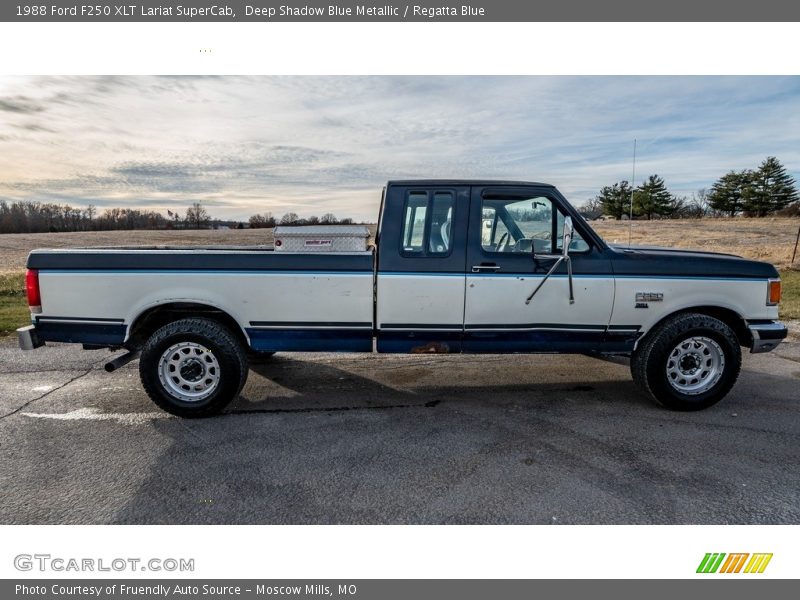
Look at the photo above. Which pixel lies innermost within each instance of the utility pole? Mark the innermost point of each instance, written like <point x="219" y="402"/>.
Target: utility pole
<point x="633" y="183"/>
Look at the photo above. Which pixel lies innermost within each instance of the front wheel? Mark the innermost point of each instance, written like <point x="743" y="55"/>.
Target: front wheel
<point x="689" y="362"/>
<point x="193" y="367"/>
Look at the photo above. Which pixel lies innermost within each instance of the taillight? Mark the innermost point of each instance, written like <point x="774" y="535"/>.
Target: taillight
<point x="32" y="289"/>
<point x="774" y="292"/>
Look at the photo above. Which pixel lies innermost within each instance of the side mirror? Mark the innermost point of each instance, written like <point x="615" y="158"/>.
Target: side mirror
<point x="567" y="238"/>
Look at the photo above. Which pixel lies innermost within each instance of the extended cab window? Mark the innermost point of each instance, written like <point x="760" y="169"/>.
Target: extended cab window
<point x="518" y="224"/>
<point x="428" y="223"/>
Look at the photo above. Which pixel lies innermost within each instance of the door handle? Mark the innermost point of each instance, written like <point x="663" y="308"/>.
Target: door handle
<point x="485" y="267"/>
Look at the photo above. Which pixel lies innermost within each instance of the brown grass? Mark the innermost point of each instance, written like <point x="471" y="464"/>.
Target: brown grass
<point x="770" y="239"/>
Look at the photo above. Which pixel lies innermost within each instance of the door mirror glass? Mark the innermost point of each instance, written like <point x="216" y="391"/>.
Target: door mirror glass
<point x="569" y="230"/>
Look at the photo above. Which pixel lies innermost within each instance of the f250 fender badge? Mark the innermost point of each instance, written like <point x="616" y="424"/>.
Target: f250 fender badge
<point x="649" y="297"/>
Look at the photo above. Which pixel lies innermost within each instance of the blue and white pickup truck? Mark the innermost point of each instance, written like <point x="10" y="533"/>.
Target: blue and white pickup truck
<point x="459" y="266"/>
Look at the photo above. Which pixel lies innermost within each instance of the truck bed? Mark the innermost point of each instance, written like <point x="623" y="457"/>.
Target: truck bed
<point x="316" y="301"/>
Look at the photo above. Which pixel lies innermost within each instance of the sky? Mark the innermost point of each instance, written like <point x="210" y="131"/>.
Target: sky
<point x="312" y="145"/>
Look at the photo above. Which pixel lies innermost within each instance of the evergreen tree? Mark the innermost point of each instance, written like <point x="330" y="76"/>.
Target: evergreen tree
<point x="772" y="189"/>
<point x="615" y="200"/>
<point x="730" y="191"/>
<point x="652" y="198"/>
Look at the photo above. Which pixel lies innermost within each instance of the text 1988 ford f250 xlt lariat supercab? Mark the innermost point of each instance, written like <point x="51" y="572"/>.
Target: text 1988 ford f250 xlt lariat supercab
<point x="460" y="266"/>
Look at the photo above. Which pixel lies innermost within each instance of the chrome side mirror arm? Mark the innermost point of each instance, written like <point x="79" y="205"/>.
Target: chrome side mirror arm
<point x="563" y="257"/>
<point x="559" y="260"/>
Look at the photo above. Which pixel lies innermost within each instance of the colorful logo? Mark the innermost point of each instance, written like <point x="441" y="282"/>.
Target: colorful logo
<point x="734" y="563"/>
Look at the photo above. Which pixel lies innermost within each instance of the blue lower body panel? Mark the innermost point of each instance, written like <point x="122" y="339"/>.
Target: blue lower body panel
<point x="93" y="333"/>
<point x="533" y="341"/>
<point x="310" y="340"/>
<point x="419" y="342"/>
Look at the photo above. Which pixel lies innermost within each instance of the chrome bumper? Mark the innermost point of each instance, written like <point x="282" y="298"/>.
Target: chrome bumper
<point x="28" y="338"/>
<point x="766" y="336"/>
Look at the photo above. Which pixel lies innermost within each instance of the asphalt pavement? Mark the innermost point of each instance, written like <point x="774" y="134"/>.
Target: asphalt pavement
<point x="396" y="439"/>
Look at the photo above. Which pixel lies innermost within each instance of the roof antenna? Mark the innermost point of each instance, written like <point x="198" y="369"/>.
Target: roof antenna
<point x="633" y="183"/>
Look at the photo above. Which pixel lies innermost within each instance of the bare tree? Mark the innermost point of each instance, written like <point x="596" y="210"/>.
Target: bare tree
<point x="89" y="214"/>
<point x="328" y="219"/>
<point x="259" y="221"/>
<point x="197" y="216"/>
<point x="290" y="219"/>
<point x="592" y="205"/>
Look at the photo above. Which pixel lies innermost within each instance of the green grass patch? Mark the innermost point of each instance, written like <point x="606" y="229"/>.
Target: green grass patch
<point x="13" y="305"/>
<point x="790" y="295"/>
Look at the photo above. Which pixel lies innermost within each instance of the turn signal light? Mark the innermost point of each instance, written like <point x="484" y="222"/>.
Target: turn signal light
<point x="774" y="292"/>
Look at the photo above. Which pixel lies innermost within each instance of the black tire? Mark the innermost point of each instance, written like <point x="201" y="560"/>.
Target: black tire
<point x="214" y="353"/>
<point x="713" y="338"/>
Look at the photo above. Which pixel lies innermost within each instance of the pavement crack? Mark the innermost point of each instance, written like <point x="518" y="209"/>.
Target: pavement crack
<point x="47" y="393"/>
<point x="791" y="358"/>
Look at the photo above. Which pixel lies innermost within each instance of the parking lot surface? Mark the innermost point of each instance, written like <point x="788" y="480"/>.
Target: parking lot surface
<point x="396" y="439"/>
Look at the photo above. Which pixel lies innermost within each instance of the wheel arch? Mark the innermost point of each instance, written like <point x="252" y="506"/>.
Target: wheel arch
<point x="155" y="317"/>
<point x="727" y="315"/>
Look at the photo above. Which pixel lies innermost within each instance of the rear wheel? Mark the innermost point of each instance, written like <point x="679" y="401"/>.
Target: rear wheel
<point x="689" y="362"/>
<point x="193" y="367"/>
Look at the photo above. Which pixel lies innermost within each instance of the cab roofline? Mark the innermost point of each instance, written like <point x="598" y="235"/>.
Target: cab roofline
<point x="423" y="182"/>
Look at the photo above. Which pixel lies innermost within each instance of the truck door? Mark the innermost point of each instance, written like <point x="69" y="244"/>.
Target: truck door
<point x="508" y="226"/>
<point x="420" y="276"/>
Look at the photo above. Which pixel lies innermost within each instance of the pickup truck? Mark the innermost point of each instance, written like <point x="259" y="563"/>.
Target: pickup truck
<point x="457" y="266"/>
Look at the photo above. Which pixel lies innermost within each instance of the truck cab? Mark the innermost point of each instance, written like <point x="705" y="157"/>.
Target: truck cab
<point x="457" y="260"/>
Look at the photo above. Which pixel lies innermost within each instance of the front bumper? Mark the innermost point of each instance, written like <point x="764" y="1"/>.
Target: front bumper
<point x="766" y="335"/>
<point x="28" y="338"/>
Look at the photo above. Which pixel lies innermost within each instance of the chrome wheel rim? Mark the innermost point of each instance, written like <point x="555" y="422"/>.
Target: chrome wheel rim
<point x="695" y="365"/>
<point x="189" y="371"/>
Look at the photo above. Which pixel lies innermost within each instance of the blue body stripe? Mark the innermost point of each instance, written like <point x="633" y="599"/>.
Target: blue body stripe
<point x="198" y="272"/>
<point x="575" y="276"/>
<point x="189" y="271"/>
<point x="360" y="340"/>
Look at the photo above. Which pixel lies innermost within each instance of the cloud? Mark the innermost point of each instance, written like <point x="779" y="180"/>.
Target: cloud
<point x="34" y="127"/>
<point x="20" y="104"/>
<point x="318" y="144"/>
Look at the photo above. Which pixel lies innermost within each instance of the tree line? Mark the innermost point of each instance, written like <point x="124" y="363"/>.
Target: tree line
<point x="264" y="220"/>
<point x="766" y="190"/>
<point x="41" y="217"/>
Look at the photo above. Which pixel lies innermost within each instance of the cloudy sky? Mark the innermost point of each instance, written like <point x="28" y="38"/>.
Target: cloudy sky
<point x="327" y="144"/>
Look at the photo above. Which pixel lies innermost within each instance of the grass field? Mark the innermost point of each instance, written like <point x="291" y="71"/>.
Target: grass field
<point x="770" y="240"/>
<point x="790" y="304"/>
<point x="13" y="307"/>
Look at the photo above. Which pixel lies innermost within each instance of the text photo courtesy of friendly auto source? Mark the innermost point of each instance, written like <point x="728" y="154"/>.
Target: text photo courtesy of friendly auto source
<point x="510" y="293"/>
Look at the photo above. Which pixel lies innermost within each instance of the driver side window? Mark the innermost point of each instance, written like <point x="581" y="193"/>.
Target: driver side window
<point x="523" y="224"/>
